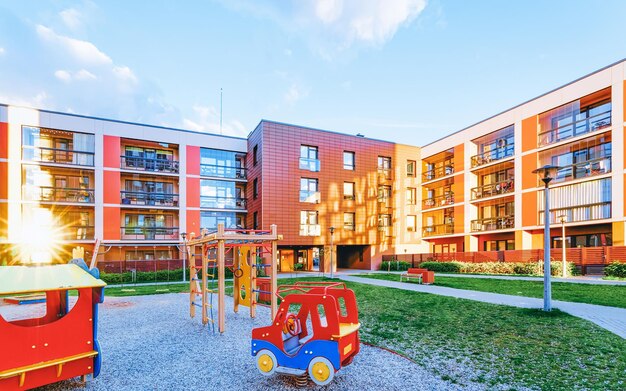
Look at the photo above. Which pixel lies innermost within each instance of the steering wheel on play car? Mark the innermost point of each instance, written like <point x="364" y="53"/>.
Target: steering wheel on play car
<point x="291" y="324"/>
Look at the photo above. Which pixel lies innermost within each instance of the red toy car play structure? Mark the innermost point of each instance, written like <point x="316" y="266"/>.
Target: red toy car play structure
<point x="315" y="332"/>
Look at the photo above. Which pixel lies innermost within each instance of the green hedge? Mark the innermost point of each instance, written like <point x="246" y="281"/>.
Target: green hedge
<point x="159" y="276"/>
<point x="527" y="268"/>
<point x="395" y="266"/>
<point x="615" y="269"/>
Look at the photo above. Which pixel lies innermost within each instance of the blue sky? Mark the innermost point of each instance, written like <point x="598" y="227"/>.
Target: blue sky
<point x="409" y="71"/>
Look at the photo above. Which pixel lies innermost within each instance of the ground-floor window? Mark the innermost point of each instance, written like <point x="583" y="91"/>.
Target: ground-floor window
<point x="499" y="245"/>
<point x="586" y="240"/>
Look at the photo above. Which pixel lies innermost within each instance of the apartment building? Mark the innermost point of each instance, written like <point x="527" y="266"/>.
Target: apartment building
<point x="68" y="179"/>
<point x="479" y="191"/>
<point x="323" y="187"/>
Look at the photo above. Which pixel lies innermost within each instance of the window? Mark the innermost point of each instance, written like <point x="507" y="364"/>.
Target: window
<point x="384" y="193"/>
<point x="410" y="168"/>
<point x="255" y="220"/>
<point x="255" y="188"/>
<point x="223" y="164"/>
<point x="384" y="221"/>
<point x="411" y="222"/>
<point x="255" y="156"/>
<point x="308" y="223"/>
<point x="309" y="190"/>
<point x="348" y="221"/>
<point x="210" y="220"/>
<point x="309" y="158"/>
<point x="57" y="146"/>
<point x="411" y="195"/>
<point x="348" y="160"/>
<point x="348" y="190"/>
<point x="384" y="167"/>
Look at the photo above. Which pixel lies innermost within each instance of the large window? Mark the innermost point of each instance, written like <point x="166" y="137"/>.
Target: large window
<point x="411" y="195"/>
<point x="149" y="226"/>
<point x="309" y="158"/>
<point x="348" y="221"/>
<point x="384" y="193"/>
<point x="57" y="146"/>
<point x="309" y="223"/>
<point x="222" y="164"/>
<point x="348" y="190"/>
<point x="580" y="160"/>
<point x="137" y="192"/>
<point x="309" y="191"/>
<point x="210" y="220"/>
<point x="221" y="194"/>
<point x="348" y="160"/>
<point x="584" y="201"/>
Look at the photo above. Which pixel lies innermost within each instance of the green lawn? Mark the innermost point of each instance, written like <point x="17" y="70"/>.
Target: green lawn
<point x="139" y="290"/>
<point x="501" y="345"/>
<point x="609" y="295"/>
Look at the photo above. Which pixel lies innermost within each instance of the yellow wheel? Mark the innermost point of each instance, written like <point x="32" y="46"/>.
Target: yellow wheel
<point x="321" y="371"/>
<point x="266" y="362"/>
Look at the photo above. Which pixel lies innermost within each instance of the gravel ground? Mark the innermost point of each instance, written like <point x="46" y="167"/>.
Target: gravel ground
<point x="150" y="343"/>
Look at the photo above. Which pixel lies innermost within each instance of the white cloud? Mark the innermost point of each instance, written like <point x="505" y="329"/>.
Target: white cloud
<point x="2" y="51"/>
<point x="328" y="11"/>
<point x="63" y="75"/>
<point x="82" y="75"/>
<point x="125" y="74"/>
<point x="71" y="17"/>
<point x="82" y="51"/>
<point x="294" y="94"/>
<point x="207" y="119"/>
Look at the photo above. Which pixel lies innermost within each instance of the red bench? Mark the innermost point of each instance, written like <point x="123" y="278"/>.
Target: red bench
<point x="424" y="276"/>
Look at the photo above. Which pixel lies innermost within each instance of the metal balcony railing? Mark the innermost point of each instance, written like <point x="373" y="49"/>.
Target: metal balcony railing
<point x="218" y="171"/>
<point x="584" y="169"/>
<point x="442" y="200"/>
<point x="576" y="128"/>
<point x="493" y="223"/>
<point x="148" y="198"/>
<point x="438" y="172"/>
<point x="310" y="196"/>
<point x="438" y="229"/>
<point x="222" y="202"/>
<point x="61" y="194"/>
<point x="57" y="155"/>
<point x="149" y="233"/>
<point x="492" y="189"/>
<point x="595" y="211"/>
<point x="77" y="232"/>
<point x="384" y="173"/>
<point x="309" y="164"/>
<point x="493" y="155"/>
<point x="310" y="230"/>
<point x="148" y="164"/>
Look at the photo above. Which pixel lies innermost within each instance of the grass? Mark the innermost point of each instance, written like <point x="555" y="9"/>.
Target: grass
<point x="609" y="295"/>
<point x="140" y="290"/>
<point x="497" y="345"/>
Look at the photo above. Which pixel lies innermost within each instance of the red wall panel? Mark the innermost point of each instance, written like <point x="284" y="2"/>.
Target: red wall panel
<point x="4" y="140"/>
<point x="193" y="192"/>
<point x="112" y="152"/>
<point x="111" y="187"/>
<point x="193" y="160"/>
<point x="111" y="223"/>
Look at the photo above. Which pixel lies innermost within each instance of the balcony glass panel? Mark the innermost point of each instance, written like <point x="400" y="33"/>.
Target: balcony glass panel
<point x="442" y="200"/>
<point x="223" y="164"/>
<point x="309" y="164"/>
<point x="438" y="169"/>
<point x="210" y="220"/>
<point x="149" y="227"/>
<point x="222" y="202"/>
<point x="438" y="229"/>
<point x="493" y="223"/>
<point x="310" y="196"/>
<point x="590" y="200"/>
<point x="570" y="121"/>
<point x="57" y="146"/>
<point x="148" y="198"/>
<point x="310" y="230"/>
<point x="493" y="189"/>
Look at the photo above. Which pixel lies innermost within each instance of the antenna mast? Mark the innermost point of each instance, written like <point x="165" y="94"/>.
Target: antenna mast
<point x="220" y="110"/>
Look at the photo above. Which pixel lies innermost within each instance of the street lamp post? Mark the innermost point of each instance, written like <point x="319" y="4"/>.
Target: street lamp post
<point x="332" y="231"/>
<point x="546" y="174"/>
<point x="184" y="236"/>
<point x="563" y="220"/>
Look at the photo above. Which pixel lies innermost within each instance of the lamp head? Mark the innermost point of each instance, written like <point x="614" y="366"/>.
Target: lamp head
<point x="183" y="235"/>
<point x="332" y="230"/>
<point x="547" y="173"/>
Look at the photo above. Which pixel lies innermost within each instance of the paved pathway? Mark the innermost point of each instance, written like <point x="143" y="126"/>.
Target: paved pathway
<point x="610" y="318"/>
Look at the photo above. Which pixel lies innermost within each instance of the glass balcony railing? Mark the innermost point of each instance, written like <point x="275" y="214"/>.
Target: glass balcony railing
<point x="78" y="232"/>
<point x="596" y="211"/>
<point x="310" y="230"/>
<point x="309" y="164"/>
<point x="57" y="155"/>
<point x="385" y="230"/>
<point x="438" y="229"/>
<point x="313" y="197"/>
<point x="149" y="233"/>
<point x="212" y="170"/>
<point x="59" y="194"/>
<point x="493" y="155"/>
<point x="222" y="202"/>
<point x="438" y="172"/>
<point x="576" y="128"/>
<point x="493" y="223"/>
<point x="442" y="200"/>
<point x="492" y="189"/>
<point x="584" y="169"/>
<point x="148" y="198"/>
<point x="384" y="173"/>
<point x="148" y="164"/>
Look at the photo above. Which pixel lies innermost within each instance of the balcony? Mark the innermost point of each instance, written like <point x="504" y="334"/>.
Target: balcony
<point x="149" y="164"/>
<point x="385" y="230"/>
<point x="149" y="233"/>
<point x="148" y="198"/>
<point x="438" y="229"/>
<point x="309" y="164"/>
<point x="595" y="211"/>
<point x="57" y="155"/>
<point x="216" y="202"/>
<point x="310" y="230"/>
<point x="384" y="173"/>
<point x="439" y="172"/>
<point x="493" y="155"/>
<point x="576" y="128"/>
<point x="218" y="171"/>
<point x="493" y="189"/>
<point x="59" y="194"/>
<point x="442" y="200"/>
<point x="77" y="232"/>
<point x="493" y="223"/>
<point x="313" y="197"/>
<point x="584" y="169"/>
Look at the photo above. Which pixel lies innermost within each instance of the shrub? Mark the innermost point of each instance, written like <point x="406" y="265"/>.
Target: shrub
<point x="395" y="266"/>
<point x="158" y="276"/>
<point x="442" y="267"/>
<point x="615" y="269"/>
